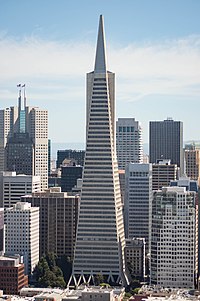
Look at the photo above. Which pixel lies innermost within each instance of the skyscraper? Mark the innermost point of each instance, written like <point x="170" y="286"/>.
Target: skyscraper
<point x="128" y="142"/>
<point x="22" y="233"/>
<point x="24" y="140"/>
<point x="58" y="220"/>
<point x="166" y="141"/>
<point x="138" y="201"/>
<point x="173" y="238"/>
<point x="100" y="236"/>
<point x="192" y="161"/>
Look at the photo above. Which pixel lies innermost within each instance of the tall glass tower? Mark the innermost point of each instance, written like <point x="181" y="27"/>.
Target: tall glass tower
<point x="100" y="235"/>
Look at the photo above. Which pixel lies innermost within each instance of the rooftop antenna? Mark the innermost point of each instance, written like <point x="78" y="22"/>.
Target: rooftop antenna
<point x="19" y="97"/>
<point x="24" y="86"/>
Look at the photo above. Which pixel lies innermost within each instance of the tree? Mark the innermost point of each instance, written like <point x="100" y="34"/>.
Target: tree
<point x="47" y="273"/>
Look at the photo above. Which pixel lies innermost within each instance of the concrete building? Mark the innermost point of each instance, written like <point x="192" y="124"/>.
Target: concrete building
<point x="138" y="201"/>
<point x="12" y="277"/>
<point x="162" y="173"/>
<point x="22" y="233"/>
<point x="1" y="230"/>
<point x="58" y="220"/>
<point x="135" y="257"/>
<point x="192" y="162"/>
<point x="14" y="186"/>
<point x="166" y="142"/>
<point x="100" y="225"/>
<point x="24" y="140"/>
<point x="173" y="238"/>
<point x="128" y="142"/>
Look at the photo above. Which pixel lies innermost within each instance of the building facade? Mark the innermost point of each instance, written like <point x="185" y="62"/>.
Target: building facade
<point x="162" y="173"/>
<point x="58" y="220"/>
<point x="12" y="277"/>
<point x="100" y="238"/>
<point x="70" y="173"/>
<point x="135" y="257"/>
<point x="1" y="230"/>
<point x="24" y="140"/>
<point x="166" y="142"/>
<point x="77" y="155"/>
<point x="128" y="142"/>
<point x="14" y="186"/>
<point x="192" y="162"/>
<point x="138" y="201"/>
<point x="173" y="238"/>
<point x="22" y="233"/>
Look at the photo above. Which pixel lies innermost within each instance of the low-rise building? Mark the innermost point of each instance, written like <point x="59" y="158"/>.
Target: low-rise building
<point x="12" y="277"/>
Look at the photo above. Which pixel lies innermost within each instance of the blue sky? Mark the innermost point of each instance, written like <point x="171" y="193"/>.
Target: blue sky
<point x="153" y="46"/>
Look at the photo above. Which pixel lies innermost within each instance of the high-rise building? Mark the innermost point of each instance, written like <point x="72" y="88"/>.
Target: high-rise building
<point x="138" y="201"/>
<point x="24" y="140"/>
<point x="58" y="220"/>
<point x="1" y="230"/>
<point x="162" y="173"/>
<point x="14" y="186"/>
<point x="70" y="173"/>
<point x="77" y="155"/>
<point x="166" y="142"/>
<point x="100" y="238"/>
<point x="173" y="238"/>
<point x="128" y="142"/>
<point x="192" y="162"/>
<point x="22" y="233"/>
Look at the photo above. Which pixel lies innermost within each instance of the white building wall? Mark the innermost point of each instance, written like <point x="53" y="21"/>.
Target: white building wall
<point x="128" y="142"/>
<point x="22" y="233"/>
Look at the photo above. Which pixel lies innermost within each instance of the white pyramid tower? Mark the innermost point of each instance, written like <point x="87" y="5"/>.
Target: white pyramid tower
<point x="100" y="235"/>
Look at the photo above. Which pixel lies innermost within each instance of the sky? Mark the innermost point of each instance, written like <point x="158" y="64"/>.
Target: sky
<point x="153" y="46"/>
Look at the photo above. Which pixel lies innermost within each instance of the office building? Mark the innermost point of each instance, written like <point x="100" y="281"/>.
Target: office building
<point x="22" y="233"/>
<point x="14" y="186"/>
<point x="100" y="238"/>
<point x="135" y="257"/>
<point x="12" y="277"/>
<point x="173" y="238"/>
<point x="192" y="162"/>
<point x="162" y="173"/>
<point x="24" y="140"/>
<point x="138" y="201"/>
<point x="58" y="220"/>
<point x="184" y="181"/>
<point x="1" y="230"/>
<point x="70" y="173"/>
<point x="77" y="155"/>
<point x="128" y="142"/>
<point x="166" y="142"/>
<point x="20" y="154"/>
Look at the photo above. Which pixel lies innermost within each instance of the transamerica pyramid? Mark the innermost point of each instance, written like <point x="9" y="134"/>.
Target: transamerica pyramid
<point x="100" y="238"/>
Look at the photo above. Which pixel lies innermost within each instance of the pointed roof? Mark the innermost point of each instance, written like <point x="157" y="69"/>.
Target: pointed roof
<point x="100" y="61"/>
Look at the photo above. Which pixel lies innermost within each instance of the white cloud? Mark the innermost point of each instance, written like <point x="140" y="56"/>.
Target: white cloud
<point x="55" y="74"/>
<point x="172" y="67"/>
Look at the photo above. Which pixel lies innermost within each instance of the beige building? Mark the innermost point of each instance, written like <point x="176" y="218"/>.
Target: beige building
<point x="192" y="162"/>
<point x="135" y="257"/>
<point x="58" y="220"/>
<point x="32" y="124"/>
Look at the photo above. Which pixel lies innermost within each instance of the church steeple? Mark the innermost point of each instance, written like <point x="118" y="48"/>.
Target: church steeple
<point x="100" y="61"/>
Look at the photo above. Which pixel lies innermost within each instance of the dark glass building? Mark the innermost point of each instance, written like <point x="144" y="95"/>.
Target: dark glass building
<point x="69" y="176"/>
<point x="77" y="155"/>
<point x="166" y="141"/>
<point x="20" y="154"/>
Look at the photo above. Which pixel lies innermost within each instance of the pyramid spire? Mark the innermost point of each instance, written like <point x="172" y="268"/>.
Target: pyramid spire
<point x="100" y="61"/>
